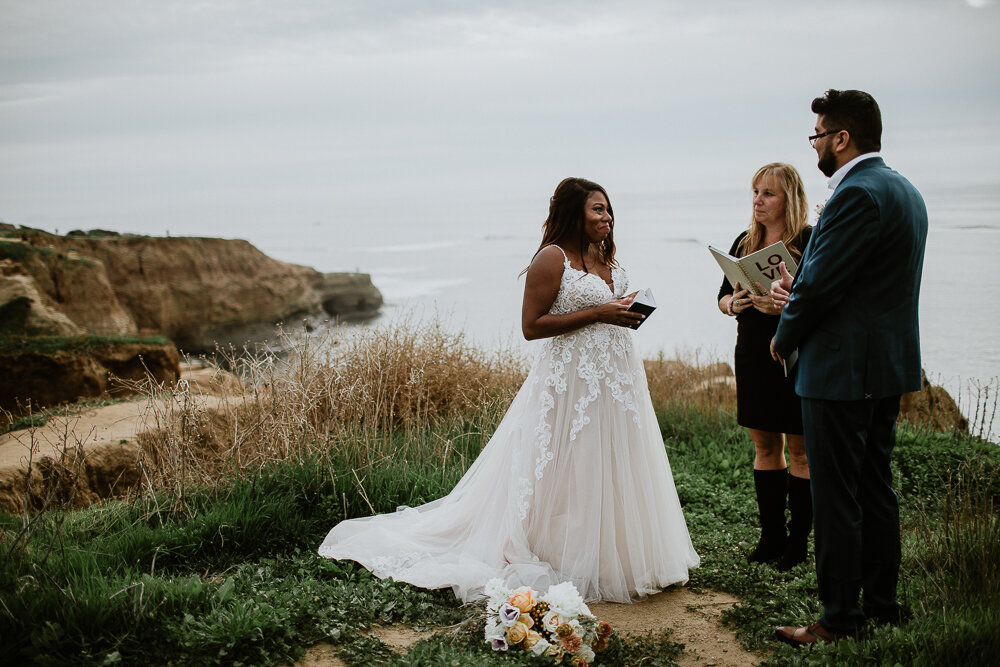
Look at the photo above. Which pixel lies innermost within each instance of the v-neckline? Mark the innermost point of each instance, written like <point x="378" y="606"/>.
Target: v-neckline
<point x="569" y="265"/>
<point x="610" y="286"/>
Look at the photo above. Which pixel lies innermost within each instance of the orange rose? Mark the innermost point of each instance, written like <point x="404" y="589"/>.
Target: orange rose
<point x="523" y="599"/>
<point x="531" y="638"/>
<point x="516" y="634"/>
<point x="600" y="645"/>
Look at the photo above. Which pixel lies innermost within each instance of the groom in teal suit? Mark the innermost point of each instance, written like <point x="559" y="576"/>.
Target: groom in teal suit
<point x="852" y="316"/>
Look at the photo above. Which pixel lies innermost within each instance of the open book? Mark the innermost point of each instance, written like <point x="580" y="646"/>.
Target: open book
<point x="760" y="266"/>
<point x="643" y="302"/>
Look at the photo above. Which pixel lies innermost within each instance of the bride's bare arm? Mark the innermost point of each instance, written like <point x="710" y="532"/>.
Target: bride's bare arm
<point x="541" y="286"/>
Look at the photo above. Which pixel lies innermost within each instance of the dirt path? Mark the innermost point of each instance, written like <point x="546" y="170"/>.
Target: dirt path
<point x="106" y="436"/>
<point x="693" y="618"/>
<point x="107" y="425"/>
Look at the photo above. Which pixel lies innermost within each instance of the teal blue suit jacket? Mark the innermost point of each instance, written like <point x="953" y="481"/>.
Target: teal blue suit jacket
<point x="852" y="313"/>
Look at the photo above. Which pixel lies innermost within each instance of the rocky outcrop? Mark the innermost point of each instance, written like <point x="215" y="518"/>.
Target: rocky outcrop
<point x="64" y="281"/>
<point x="49" y="371"/>
<point x="23" y="311"/>
<point x="933" y="408"/>
<point x="70" y="479"/>
<point x="195" y="291"/>
<point x="349" y="295"/>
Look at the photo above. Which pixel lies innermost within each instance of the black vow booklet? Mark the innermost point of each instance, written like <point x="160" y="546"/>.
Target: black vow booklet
<point x="644" y="303"/>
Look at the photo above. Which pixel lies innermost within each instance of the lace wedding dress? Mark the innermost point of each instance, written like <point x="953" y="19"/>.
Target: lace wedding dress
<point x="574" y="485"/>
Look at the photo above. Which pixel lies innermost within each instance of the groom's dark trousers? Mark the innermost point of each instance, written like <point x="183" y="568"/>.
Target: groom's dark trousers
<point x="852" y="315"/>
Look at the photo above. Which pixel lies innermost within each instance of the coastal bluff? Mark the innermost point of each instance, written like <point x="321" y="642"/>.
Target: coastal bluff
<point x="140" y="294"/>
<point x="194" y="291"/>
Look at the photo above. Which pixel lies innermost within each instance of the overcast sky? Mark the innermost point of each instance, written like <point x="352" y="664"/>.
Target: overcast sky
<point x="203" y="116"/>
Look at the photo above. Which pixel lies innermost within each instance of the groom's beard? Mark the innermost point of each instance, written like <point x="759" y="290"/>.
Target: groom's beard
<point x="827" y="163"/>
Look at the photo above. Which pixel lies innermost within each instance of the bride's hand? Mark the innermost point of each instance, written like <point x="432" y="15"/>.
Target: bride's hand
<point x="617" y="313"/>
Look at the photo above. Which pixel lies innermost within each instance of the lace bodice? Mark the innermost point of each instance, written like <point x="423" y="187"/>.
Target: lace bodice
<point x="599" y="354"/>
<point x="579" y="290"/>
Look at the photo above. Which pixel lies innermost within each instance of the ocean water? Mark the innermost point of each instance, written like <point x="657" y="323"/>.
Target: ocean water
<point x="460" y="263"/>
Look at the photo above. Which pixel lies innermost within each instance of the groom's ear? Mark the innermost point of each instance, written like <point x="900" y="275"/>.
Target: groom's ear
<point x="843" y="142"/>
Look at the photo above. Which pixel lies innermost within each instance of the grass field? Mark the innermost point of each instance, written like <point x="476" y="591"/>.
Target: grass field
<point x="213" y="560"/>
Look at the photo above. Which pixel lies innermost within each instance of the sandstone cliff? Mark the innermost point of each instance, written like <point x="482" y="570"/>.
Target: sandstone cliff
<point x="80" y="310"/>
<point x="48" y="371"/>
<point x="192" y="290"/>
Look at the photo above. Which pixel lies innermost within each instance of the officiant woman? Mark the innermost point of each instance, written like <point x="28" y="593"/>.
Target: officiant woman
<point x="766" y="402"/>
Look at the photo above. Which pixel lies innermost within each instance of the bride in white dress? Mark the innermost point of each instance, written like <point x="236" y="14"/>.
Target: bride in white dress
<point x="575" y="484"/>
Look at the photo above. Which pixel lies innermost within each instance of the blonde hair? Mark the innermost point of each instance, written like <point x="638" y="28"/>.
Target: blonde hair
<point x="796" y="210"/>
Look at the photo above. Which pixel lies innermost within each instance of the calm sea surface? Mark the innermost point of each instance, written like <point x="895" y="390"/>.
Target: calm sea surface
<point x="460" y="264"/>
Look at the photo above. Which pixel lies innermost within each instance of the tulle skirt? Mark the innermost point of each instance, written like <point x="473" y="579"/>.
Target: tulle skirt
<point x="574" y="485"/>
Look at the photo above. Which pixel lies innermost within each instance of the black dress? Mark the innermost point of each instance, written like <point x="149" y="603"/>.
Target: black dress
<point x="765" y="398"/>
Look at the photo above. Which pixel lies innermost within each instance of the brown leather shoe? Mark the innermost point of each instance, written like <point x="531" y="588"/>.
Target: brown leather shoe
<point x="811" y="634"/>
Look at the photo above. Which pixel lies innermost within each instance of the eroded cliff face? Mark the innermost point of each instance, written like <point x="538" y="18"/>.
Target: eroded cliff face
<point x="192" y="290"/>
<point x="79" y="311"/>
<point x="81" y="368"/>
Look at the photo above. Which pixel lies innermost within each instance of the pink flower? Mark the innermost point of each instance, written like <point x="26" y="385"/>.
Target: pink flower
<point x="571" y="644"/>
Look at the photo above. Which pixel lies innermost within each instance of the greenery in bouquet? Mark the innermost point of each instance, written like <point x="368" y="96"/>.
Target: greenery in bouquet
<point x="557" y="625"/>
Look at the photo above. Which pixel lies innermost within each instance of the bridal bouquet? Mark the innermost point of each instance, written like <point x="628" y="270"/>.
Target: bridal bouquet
<point x="557" y="625"/>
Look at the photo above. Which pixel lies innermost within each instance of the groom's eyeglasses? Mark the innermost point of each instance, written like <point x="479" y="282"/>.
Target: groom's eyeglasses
<point x="813" y="138"/>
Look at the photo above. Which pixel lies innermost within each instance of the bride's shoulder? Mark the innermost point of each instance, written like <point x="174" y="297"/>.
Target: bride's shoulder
<point x="551" y="256"/>
<point x="552" y="251"/>
<point x="547" y="265"/>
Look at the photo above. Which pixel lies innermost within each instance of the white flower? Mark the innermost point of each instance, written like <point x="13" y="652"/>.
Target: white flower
<point x="509" y="614"/>
<point x="586" y="653"/>
<point x="540" y="647"/>
<point x="496" y="593"/>
<point x="551" y="621"/>
<point x="494" y="630"/>
<point x="565" y="600"/>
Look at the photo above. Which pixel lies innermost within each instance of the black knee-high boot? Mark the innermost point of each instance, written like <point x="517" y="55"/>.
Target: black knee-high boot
<point x="771" y="487"/>
<point x="800" y="525"/>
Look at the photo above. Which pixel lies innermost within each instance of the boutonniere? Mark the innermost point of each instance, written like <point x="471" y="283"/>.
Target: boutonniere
<point x="819" y="209"/>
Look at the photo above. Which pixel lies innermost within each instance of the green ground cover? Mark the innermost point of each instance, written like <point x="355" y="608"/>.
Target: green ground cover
<point x="228" y="574"/>
<point x="53" y="344"/>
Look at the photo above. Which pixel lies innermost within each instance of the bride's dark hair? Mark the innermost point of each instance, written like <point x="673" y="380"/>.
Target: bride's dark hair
<point x="565" y="224"/>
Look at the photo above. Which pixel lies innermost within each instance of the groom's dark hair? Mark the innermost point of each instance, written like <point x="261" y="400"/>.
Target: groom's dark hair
<point x="855" y="111"/>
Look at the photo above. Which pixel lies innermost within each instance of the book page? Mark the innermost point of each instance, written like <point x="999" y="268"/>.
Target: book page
<point x="730" y="266"/>
<point x="762" y="266"/>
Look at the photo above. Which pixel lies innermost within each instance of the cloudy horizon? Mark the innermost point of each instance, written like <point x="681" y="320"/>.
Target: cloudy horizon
<point x="205" y="116"/>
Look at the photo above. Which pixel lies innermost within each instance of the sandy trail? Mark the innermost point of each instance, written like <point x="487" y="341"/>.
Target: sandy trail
<point x="107" y="425"/>
<point x="693" y="618"/>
